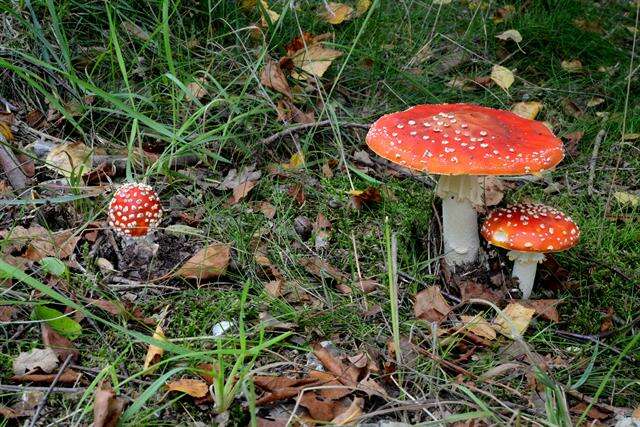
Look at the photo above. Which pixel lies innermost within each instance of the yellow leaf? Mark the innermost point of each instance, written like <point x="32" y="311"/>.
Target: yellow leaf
<point x="626" y="198"/>
<point x="528" y="110"/>
<point x="595" y="101"/>
<point x="510" y="35"/>
<point x="441" y="1"/>
<point x="518" y="316"/>
<point x="336" y="13"/>
<point x="70" y="159"/>
<point x="479" y="326"/>
<point x="5" y="131"/>
<point x="502" y="76"/>
<point x="154" y="353"/>
<point x="192" y="387"/>
<point x="296" y="161"/>
<point x="314" y="60"/>
<point x="362" y="6"/>
<point x="573" y="66"/>
<point x="209" y="262"/>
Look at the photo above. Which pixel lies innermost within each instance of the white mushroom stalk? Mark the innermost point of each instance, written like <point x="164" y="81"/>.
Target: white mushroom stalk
<point x="525" y="265"/>
<point x="459" y="194"/>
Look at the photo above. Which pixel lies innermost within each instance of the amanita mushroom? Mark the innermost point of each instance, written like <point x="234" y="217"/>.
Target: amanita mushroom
<point x="528" y="231"/>
<point x="461" y="142"/>
<point x="134" y="210"/>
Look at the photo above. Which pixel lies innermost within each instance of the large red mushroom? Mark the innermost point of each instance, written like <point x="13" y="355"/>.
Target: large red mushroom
<point x="528" y="231"/>
<point x="461" y="142"/>
<point x="134" y="210"/>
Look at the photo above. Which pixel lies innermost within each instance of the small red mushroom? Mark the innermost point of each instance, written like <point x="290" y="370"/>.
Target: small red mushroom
<point x="461" y="142"/>
<point x="528" y="231"/>
<point x="134" y="210"/>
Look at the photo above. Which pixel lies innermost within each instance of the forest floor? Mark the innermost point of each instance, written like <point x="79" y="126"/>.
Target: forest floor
<point x="322" y="298"/>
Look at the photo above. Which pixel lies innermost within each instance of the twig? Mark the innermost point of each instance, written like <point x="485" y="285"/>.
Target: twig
<point x="594" y="158"/>
<point x="21" y="388"/>
<point x="16" y="176"/>
<point x="594" y="339"/>
<point x="304" y="126"/>
<point x="125" y="283"/>
<point x="43" y="401"/>
<point x="588" y="399"/>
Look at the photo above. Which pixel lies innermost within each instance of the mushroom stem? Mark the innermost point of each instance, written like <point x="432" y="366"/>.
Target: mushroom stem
<point x="459" y="217"/>
<point x="525" y="265"/>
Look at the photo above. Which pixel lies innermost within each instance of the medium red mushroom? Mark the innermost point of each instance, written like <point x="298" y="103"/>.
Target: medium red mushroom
<point x="134" y="210"/>
<point x="528" y="231"/>
<point x="461" y="142"/>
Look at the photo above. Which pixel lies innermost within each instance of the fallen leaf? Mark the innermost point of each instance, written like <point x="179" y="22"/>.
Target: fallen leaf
<point x="528" y="110"/>
<point x="366" y="197"/>
<point x="296" y="161"/>
<point x="40" y="242"/>
<point x="351" y="415"/>
<point x="493" y="190"/>
<point x="545" y="308"/>
<point x="572" y="66"/>
<point x="273" y="77"/>
<point x="313" y="60"/>
<point x="270" y="323"/>
<point x="319" y="408"/>
<point x="267" y="209"/>
<point x="192" y="387"/>
<point x="241" y="191"/>
<point x="154" y="353"/>
<point x="593" y="413"/>
<point x="240" y="182"/>
<point x="208" y="263"/>
<point x="626" y="198"/>
<point x="502" y="76"/>
<point x="510" y="35"/>
<point x="503" y="13"/>
<point x="473" y="290"/>
<point x="70" y="159"/>
<point x="479" y="326"/>
<point x="7" y="312"/>
<point x="322" y="269"/>
<point x="134" y="30"/>
<point x="347" y="375"/>
<point x="107" y="407"/>
<point x="430" y="305"/>
<point x="607" y="321"/>
<point x="502" y="369"/>
<point x="336" y="13"/>
<point x="519" y="315"/>
<point x="361" y="7"/>
<point x="44" y="359"/>
<point x="595" y="101"/>
<point x="442" y="2"/>
<point x="573" y="138"/>
<point x="69" y="376"/>
<point x="59" y="344"/>
<point x="197" y="88"/>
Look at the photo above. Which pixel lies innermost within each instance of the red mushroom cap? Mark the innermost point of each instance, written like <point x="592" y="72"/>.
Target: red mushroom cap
<point x="465" y="139"/>
<point x="134" y="210"/>
<point x="530" y="228"/>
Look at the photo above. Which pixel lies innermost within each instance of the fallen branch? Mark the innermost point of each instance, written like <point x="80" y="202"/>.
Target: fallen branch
<point x="304" y="126"/>
<point x="22" y="389"/>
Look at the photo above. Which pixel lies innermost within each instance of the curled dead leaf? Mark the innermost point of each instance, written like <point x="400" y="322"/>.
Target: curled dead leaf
<point x="190" y="386"/>
<point x="70" y="159"/>
<point x="430" y="305"/>
<point x="208" y="263"/>
<point x="107" y="407"/>
<point x="273" y="77"/>
<point x="154" y="353"/>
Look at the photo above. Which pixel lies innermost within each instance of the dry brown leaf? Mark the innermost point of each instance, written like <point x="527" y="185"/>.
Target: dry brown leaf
<point x="322" y="269"/>
<point x="573" y="138"/>
<point x="154" y="353"/>
<point x="470" y="290"/>
<point x="41" y="242"/>
<point x="430" y="305"/>
<point x="70" y="159"/>
<point x="267" y="209"/>
<point x="347" y="375"/>
<point x="107" y="407"/>
<point x="62" y="346"/>
<point x="273" y="77"/>
<point x="314" y="60"/>
<point x="572" y="66"/>
<point x="493" y="190"/>
<point x="351" y="415"/>
<point x="45" y="359"/>
<point x="545" y="308"/>
<point x="241" y="191"/>
<point x="336" y="13"/>
<point x="594" y="413"/>
<point x="208" y="263"/>
<point x="319" y="408"/>
<point x="197" y="88"/>
<point x="502" y="76"/>
<point x="479" y="326"/>
<point x="7" y="312"/>
<point x="69" y="376"/>
<point x="190" y="386"/>
<point x="367" y="197"/>
<point x="528" y="110"/>
<point x="134" y="30"/>
<point x="519" y="315"/>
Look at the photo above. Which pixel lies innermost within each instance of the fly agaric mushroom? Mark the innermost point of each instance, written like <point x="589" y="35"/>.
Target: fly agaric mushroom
<point x="134" y="210"/>
<point x="461" y="142"/>
<point x="528" y="231"/>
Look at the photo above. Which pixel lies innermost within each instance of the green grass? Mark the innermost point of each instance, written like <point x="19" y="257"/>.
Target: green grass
<point x="120" y="90"/>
